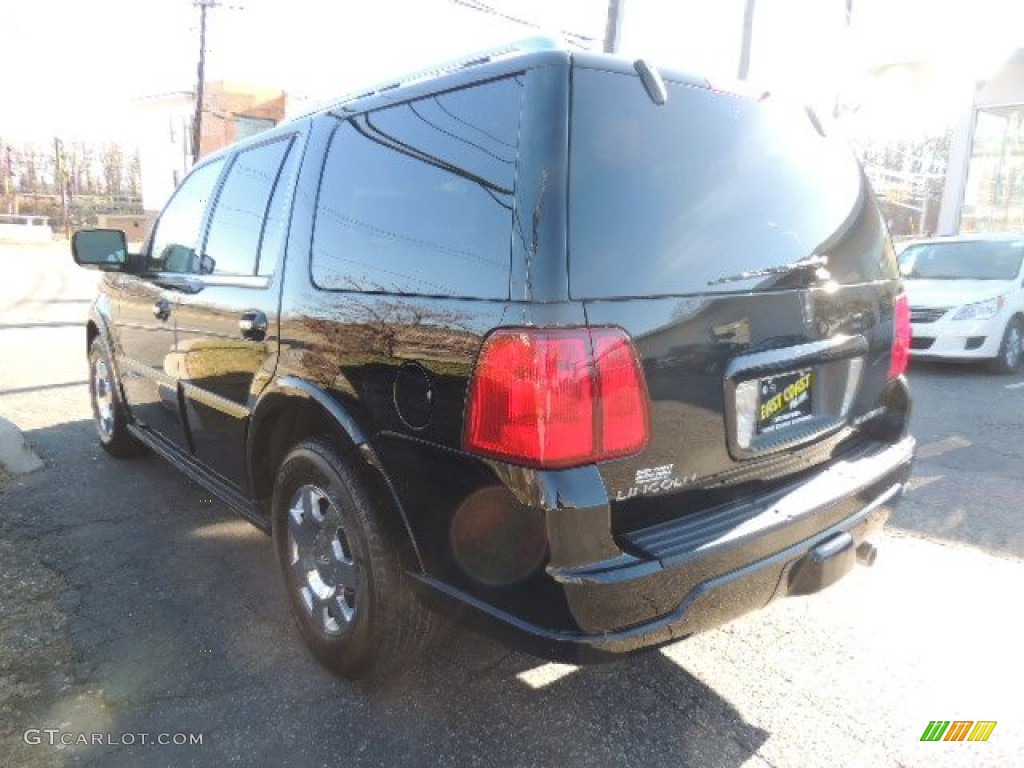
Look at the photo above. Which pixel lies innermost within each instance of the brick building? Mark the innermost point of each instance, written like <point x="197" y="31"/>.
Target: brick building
<point x="232" y="112"/>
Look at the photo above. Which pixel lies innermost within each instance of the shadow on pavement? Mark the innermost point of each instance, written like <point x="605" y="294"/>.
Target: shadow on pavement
<point x="55" y="324"/>
<point x="180" y="624"/>
<point x="969" y="475"/>
<point x="41" y="387"/>
<point x="933" y="369"/>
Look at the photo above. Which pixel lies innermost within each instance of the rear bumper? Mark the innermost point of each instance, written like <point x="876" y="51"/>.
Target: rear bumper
<point x="703" y="570"/>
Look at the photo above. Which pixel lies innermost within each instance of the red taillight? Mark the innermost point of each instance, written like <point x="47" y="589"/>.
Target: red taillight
<point x="556" y="398"/>
<point x="900" y="337"/>
<point x="621" y="394"/>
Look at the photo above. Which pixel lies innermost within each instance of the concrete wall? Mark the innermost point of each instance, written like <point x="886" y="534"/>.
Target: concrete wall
<point x="164" y="125"/>
<point x="1006" y="87"/>
<point x="25" y="233"/>
<point x="136" y="228"/>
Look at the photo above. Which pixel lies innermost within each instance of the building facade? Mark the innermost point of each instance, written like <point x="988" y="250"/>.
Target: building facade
<point x="231" y="112"/>
<point x="984" y="190"/>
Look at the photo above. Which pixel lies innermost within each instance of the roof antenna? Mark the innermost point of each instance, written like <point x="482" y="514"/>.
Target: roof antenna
<point x="652" y="80"/>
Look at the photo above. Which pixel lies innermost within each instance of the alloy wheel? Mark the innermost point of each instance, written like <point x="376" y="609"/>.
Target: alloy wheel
<point x="321" y="558"/>
<point x="103" y="399"/>
<point x="1011" y="357"/>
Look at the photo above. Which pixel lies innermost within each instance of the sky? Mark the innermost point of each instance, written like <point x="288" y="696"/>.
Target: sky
<point x="71" y="68"/>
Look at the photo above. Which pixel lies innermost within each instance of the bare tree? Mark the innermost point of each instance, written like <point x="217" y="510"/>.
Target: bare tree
<point x="113" y="169"/>
<point x="135" y="176"/>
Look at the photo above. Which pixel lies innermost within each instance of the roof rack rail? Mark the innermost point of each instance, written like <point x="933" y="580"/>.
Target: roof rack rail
<point x="525" y="45"/>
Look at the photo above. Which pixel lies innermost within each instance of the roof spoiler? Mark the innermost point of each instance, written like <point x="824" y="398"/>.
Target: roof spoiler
<point x="518" y="47"/>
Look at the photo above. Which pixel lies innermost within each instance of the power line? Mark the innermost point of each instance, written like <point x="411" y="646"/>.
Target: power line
<point x="492" y="11"/>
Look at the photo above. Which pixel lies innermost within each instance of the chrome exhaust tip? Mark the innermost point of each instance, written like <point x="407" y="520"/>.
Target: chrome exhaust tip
<point x="866" y="553"/>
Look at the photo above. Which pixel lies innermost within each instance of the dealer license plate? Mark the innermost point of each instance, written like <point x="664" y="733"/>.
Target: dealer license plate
<point x="784" y="400"/>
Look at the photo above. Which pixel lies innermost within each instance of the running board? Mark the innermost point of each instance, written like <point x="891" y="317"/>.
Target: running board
<point x="239" y="503"/>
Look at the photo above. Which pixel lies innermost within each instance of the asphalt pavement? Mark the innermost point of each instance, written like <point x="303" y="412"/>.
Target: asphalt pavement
<point x="132" y="602"/>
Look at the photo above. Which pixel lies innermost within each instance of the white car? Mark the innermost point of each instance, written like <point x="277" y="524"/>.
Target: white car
<point x="967" y="299"/>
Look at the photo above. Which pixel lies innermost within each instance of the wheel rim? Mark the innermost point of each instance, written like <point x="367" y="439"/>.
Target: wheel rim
<point x="1013" y="344"/>
<point x="103" y="399"/>
<point x="322" y="561"/>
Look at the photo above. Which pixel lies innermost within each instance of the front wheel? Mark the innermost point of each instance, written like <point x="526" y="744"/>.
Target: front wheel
<point x="345" y="582"/>
<point x="108" y="412"/>
<point x="1010" y="351"/>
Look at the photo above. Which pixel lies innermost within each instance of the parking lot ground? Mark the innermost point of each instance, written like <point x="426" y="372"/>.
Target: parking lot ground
<point x="132" y="603"/>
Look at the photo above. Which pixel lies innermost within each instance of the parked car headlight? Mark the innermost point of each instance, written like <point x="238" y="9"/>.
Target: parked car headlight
<point x="981" y="310"/>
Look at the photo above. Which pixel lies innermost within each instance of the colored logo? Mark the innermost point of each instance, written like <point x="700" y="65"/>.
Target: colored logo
<point x="959" y="730"/>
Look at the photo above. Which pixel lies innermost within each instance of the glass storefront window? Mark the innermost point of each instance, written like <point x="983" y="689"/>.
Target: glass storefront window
<point x="994" y="195"/>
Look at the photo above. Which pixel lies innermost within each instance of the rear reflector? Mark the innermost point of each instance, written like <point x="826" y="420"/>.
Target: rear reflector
<point x="557" y="397"/>
<point x="900" y="337"/>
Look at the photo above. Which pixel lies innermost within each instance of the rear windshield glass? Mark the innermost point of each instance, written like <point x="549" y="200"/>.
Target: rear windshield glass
<point x="681" y="198"/>
<point x="974" y="260"/>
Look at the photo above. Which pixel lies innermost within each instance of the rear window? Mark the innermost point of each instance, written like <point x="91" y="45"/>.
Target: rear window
<point x="682" y="198"/>
<point x="969" y="260"/>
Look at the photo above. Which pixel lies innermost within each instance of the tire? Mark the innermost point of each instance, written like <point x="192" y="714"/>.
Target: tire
<point x="1011" y="350"/>
<point x="346" y="586"/>
<point x="108" y="412"/>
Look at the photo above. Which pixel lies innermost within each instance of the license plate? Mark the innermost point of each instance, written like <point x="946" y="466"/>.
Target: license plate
<point x="784" y="400"/>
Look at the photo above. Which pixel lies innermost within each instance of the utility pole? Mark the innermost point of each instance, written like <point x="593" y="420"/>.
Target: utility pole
<point x="59" y="180"/>
<point x="747" y="40"/>
<point x="847" y="24"/>
<point x="197" y="121"/>
<point x="12" y="200"/>
<point x="5" y="158"/>
<point x="613" y="27"/>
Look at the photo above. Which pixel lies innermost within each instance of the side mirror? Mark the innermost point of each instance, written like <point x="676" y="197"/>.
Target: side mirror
<point x="103" y="249"/>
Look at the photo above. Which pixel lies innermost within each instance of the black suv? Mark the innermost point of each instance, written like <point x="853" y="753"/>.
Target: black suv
<point x="593" y="354"/>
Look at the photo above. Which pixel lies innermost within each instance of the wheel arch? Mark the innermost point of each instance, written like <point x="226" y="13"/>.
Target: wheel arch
<point x="292" y="410"/>
<point x="97" y="326"/>
<point x="99" y="323"/>
<point x="998" y="364"/>
<point x="91" y="332"/>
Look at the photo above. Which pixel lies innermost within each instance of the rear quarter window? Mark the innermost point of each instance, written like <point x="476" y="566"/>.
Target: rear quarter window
<point x="418" y="198"/>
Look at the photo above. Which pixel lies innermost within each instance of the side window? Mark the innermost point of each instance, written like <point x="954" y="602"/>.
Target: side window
<point x="176" y="237"/>
<point x="236" y="226"/>
<point x="276" y="228"/>
<point x="418" y="198"/>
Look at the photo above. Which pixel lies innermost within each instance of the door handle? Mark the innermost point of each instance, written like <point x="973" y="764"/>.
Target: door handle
<point x="162" y="309"/>
<point x="253" y="325"/>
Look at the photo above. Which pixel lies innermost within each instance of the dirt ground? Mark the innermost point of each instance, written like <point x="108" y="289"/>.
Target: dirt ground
<point x="36" y="656"/>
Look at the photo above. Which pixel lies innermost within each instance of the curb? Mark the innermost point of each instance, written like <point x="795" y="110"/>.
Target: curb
<point x="16" y="455"/>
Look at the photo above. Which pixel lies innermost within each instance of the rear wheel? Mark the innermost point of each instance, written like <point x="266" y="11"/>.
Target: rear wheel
<point x="108" y="412"/>
<point x="345" y="583"/>
<point x="1010" y="351"/>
